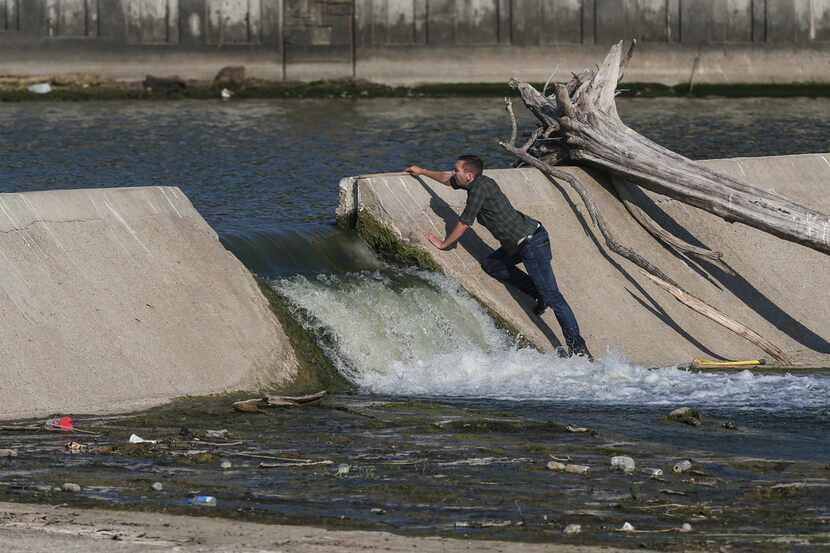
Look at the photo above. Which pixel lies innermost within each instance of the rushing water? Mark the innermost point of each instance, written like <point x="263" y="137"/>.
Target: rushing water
<point x="264" y="174"/>
<point x="453" y="424"/>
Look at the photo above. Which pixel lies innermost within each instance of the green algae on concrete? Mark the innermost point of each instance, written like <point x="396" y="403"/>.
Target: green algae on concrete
<point x="316" y="371"/>
<point x="390" y="247"/>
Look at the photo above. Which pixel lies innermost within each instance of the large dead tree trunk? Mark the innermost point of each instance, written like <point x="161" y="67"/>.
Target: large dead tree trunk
<point x="580" y="122"/>
<point x="581" y="119"/>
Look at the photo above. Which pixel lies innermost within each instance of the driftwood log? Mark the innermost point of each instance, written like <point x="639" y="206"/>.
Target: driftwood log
<point x="579" y="122"/>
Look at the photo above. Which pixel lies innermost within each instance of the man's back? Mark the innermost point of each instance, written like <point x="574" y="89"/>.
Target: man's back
<point x="487" y="203"/>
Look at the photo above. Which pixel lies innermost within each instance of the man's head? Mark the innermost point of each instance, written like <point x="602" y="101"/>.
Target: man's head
<point x="467" y="169"/>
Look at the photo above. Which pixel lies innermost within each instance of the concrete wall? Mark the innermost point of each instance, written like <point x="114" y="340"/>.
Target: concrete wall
<point x="777" y="288"/>
<point x="122" y="298"/>
<point x="721" y="40"/>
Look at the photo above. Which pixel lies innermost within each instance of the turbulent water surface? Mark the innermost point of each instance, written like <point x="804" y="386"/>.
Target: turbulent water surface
<point x="264" y="174"/>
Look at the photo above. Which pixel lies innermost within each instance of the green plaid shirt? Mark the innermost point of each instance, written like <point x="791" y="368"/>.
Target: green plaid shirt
<point x="487" y="203"/>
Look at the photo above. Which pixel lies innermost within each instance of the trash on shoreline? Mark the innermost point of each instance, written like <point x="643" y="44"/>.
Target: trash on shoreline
<point x="204" y="501"/>
<point x="225" y="465"/>
<point x="59" y="424"/>
<point x="682" y="466"/>
<point x="217" y="434"/>
<point x="623" y="463"/>
<point x="343" y="469"/>
<point x="40" y="88"/>
<point x="685" y="415"/>
<point x="75" y="447"/>
<point x="71" y="487"/>
<point x="157" y="486"/>
<point x="580" y="430"/>
<point x="253" y="405"/>
<point x="685" y="528"/>
<point x="573" y="469"/>
<point x="626" y="527"/>
<point x="136" y="439"/>
<point x="300" y="463"/>
<point x="572" y="529"/>
<point x="654" y="473"/>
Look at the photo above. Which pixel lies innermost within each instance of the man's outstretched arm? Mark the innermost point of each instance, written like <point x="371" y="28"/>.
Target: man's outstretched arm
<point x="455" y="236"/>
<point x="441" y="176"/>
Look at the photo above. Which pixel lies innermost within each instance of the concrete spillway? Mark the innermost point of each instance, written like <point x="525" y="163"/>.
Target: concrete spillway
<point x="122" y="298"/>
<point x="775" y="287"/>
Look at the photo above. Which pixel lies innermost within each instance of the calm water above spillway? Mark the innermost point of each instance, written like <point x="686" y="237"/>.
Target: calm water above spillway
<point x="264" y="174"/>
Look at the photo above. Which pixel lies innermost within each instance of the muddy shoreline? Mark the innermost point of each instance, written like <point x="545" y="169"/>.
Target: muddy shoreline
<point x="423" y="468"/>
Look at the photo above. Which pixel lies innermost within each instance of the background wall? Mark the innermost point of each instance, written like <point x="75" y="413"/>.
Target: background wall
<point x="339" y="35"/>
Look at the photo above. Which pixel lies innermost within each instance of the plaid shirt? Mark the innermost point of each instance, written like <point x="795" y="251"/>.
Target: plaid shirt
<point x="487" y="203"/>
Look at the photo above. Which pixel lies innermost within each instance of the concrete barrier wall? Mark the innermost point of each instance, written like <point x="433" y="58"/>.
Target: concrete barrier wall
<point x="714" y="40"/>
<point x="775" y="287"/>
<point x="117" y="299"/>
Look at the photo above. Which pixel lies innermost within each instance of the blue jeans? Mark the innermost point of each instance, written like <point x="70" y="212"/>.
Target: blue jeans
<point x="539" y="281"/>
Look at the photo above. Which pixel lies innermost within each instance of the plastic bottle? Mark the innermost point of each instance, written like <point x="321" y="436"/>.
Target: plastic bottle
<point x="204" y="501"/>
<point x="623" y="463"/>
<point x="682" y="466"/>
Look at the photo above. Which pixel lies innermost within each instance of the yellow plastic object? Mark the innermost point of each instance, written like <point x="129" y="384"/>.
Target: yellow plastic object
<point x="709" y="364"/>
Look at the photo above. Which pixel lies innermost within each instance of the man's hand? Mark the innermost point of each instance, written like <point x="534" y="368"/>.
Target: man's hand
<point x="414" y="170"/>
<point x="435" y="241"/>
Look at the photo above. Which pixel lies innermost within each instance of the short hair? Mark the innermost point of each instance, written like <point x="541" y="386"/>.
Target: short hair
<point x="472" y="163"/>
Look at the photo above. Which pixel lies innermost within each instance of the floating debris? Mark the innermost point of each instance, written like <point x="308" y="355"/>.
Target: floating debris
<point x="572" y="529"/>
<point x="75" y="447"/>
<point x="378" y="511"/>
<point x="580" y="430"/>
<point x="253" y="405"/>
<point x="672" y="492"/>
<point x="627" y="527"/>
<point x="685" y="415"/>
<point x="302" y="463"/>
<point x="136" y="439"/>
<point x="225" y="465"/>
<point x="654" y="473"/>
<point x="157" y="486"/>
<point x="682" y="466"/>
<point x="6" y="453"/>
<point x="225" y="94"/>
<point x="61" y="424"/>
<point x="685" y="528"/>
<point x="343" y="470"/>
<point x="729" y="425"/>
<point x="623" y="463"/>
<point x="488" y="524"/>
<point x="217" y="434"/>
<point x="204" y="501"/>
<point x="40" y="88"/>
<point x="71" y="487"/>
<point x="573" y="469"/>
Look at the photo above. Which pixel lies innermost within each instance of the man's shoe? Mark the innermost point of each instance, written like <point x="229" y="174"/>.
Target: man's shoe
<point x="583" y="352"/>
<point x="540" y="307"/>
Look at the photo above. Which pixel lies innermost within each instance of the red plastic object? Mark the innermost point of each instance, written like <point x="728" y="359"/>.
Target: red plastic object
<point x="65" y="423"/>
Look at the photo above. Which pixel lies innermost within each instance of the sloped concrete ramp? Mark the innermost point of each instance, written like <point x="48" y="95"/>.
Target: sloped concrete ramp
<point x="775" y="287"/>
<point x="116" y="299"/>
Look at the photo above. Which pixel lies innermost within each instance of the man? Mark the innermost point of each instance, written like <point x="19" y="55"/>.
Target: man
<point x="522" y="240"/>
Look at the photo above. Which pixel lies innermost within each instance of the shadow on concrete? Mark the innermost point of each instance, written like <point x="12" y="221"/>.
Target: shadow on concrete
<point x="731" y="280"/>
<point x="649" y="303"/>
<point x="479" y="250"/>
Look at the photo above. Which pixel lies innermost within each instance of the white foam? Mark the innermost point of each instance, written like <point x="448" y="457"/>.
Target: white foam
<point x="409" y="333"/>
